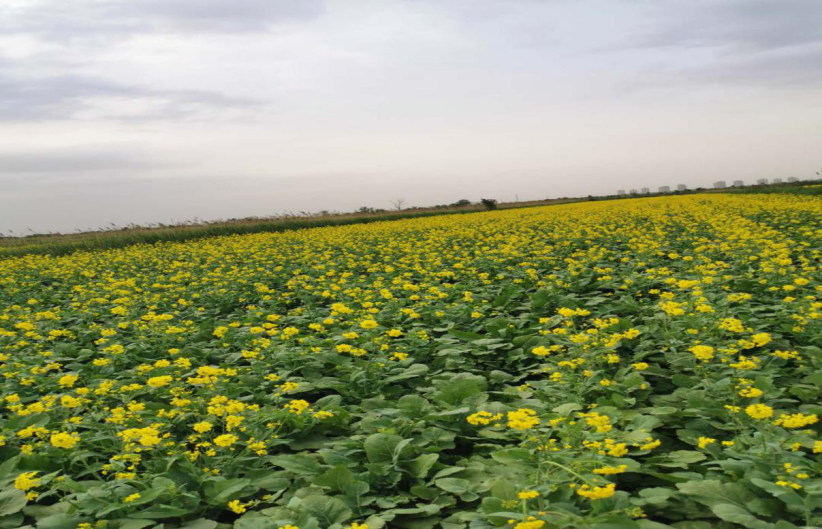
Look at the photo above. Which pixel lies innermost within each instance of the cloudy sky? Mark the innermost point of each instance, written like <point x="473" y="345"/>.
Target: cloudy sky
<point x="121" y="111"/>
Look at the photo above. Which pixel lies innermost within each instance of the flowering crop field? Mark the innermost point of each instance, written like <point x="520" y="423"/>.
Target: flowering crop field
<point x="635" y="364"/>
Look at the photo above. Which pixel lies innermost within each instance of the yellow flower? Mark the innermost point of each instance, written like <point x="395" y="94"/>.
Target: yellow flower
<point x="132" y="498"/>
<point x="67" y="401"/>
<point x="225" y="440"/>
<point x="158" y="382"/>
<point x="596" y="493"/>
<point x="26" y="481"/>
<point x="759" y="411"/>
<point x="640" y="366"/>
<point x="369" y="324"/>
<point x="705" y="441"/>
<point x="528" y="494"/>
<point x="532" y="523"/>
<point x="237" y="507"/>
<point x="605" y="471"/>
<point x="522" y="419"/>
<point x="64" y="439"/>
<point x="483" y="418"/>
<point x="202" y="427"/>
<point x="703" y="353"/>
<point x="796" y="420"/>
<point x="761" y="339"/>
<point x="751" y="393"/>
<point x="297" y="406"/>
<point x="67" y="381"/>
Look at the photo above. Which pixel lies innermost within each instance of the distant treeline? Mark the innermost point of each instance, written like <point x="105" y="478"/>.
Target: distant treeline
<point x="114" y="237"/>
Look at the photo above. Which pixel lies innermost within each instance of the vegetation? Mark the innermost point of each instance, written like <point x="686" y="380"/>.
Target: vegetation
<point x="637" y="364"/>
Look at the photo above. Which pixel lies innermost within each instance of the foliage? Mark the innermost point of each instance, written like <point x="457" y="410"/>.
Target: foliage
<point x="630" y="364"/>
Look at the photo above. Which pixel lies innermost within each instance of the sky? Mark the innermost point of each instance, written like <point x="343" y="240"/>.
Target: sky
<point x="115" y="112"/>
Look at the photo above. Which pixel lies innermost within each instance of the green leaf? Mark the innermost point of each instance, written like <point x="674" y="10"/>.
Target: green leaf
<point x="61" y="521"/>
<point x="327" y="510"/>
<point x="129" y="523"/>
<point x="453" y="485"/>
<point x="335" y="478"/>
<point x="200" y="523"/>
<point x="12" y="521"/>
<point x="224" y="491"/>
<point x="412" y="371"/>
<point x="681" y="458"/>
<point x="464" y="335"/>
<point x="713" y="492"/>
<point x="158" y="512"/>
<point x="12" y="501"/>
<point x="736" y="514"/>
<point x="379" y="447"/>
<point x="566" y="409"/>
<point x="421" y="465"/>
<point x="460" y="387"/>
<point x="296" y="463"/>
<point x="512" y="456"/>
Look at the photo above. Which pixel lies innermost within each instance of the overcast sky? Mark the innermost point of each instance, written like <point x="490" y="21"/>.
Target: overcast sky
<point x="121" y="111"/>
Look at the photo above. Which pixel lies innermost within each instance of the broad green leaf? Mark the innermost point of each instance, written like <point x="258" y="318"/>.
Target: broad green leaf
<point x="379" y="447"/>
<point x="12" y="501"/>
<point x="326" y="509"/>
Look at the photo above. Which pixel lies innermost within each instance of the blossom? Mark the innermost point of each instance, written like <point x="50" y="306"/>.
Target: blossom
<point x="596" y="493"/>
<point x="26" y="481"/>
<point x="703" y="353"/>
<point x="202" y="427"/>
<point x="225" y="440"/>
<point x="236" y="507"/>
<point x="64" y="439"/>
<point x="483" y="418"/>
<point x="796" y="420"/>
<point x="522" y="419"/>
<point x="759" y="411"/>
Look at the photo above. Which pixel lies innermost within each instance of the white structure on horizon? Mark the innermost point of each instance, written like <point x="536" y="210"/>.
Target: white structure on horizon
<point x="720" y="184"/>
<point x="645" y="190"/>
<point x="777" y="181"/>
<point x="681" y="187"/>
<point x="793" y="179"/>
<point x="738" y="183"/>
<point x="762" y="181"/>
<point x="621" y="192"/>
<point x="664" y="189"/>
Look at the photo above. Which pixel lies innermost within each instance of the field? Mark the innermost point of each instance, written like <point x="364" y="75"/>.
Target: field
<point x="636" y="364"/>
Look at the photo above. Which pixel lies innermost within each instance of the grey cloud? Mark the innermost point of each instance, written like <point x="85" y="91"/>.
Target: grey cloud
<point x="49" y="162"/>
<point x="736" y="25"/>
<point x="89" y="19"/>
<point x="64" y="96"/>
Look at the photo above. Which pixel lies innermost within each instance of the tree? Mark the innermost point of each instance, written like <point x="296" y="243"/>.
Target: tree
<point x="489" y="203"/>
<point x="398" y="203"/>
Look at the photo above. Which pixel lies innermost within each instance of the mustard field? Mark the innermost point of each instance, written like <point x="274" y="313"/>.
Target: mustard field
<point x="637" y="364"/>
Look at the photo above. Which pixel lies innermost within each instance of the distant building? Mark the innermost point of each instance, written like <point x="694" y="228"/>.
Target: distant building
<point x="645" y="190"/>
<point x="793" y="179"/>
<point x="720" y="184"/>
<point x="762" y="181"/>
<point x="777" y="181"/>
<point x="634" y="192"/>
<point x="681" y="187"/>
<point x="738" y="183"/>
<point x="621" y="192"/>
<point x="664" y="189"/>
